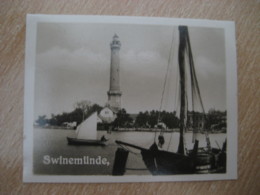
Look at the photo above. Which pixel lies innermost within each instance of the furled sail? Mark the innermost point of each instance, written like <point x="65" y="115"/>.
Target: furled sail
<point x="88" y="128"/>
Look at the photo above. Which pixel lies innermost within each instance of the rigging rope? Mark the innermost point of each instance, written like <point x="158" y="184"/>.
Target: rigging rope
<point x="164" y="84"/>
<point x="195" y="87"/>
<point x="166" y="75"/>
<point x="169" y="142"/>
<point x="127" y="149"/>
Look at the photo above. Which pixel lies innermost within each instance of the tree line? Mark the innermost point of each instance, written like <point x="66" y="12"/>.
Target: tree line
<point x="147" y="119"/>
<point x="82" y="110"/>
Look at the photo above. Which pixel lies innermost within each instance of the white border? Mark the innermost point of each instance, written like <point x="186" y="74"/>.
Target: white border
<point x="231" y="87"/>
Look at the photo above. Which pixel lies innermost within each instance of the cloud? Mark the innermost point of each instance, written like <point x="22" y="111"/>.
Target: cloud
<point x="207" y="67"/>
<point x="64" y="77"/>
<point x="79" y="59"/>
<point x="145" y="63"/>
<point x="73" y="63"/>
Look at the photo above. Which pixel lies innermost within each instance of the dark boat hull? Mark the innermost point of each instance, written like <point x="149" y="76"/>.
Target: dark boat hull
<point x="75" y="141"/>
<point x="167" y="163"/>
<point x="160" y="162"/>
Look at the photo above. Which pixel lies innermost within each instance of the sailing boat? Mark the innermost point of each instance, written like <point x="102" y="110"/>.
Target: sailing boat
<point x="184" y="161"/>
<point x="86" y="133"/>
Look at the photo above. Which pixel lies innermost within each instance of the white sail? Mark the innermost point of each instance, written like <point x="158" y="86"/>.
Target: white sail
<point x="88" y="128"/>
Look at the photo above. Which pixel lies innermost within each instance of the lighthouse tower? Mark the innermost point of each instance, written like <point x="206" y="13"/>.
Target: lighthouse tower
<point x="114" y="93"/>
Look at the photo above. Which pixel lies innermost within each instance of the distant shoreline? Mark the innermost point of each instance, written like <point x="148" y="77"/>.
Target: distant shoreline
<point x="129" y="129"/>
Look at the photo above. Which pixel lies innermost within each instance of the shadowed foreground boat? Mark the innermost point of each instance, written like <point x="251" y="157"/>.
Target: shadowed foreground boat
<point x="183" y="161"/>
<point x="197" y="161"/>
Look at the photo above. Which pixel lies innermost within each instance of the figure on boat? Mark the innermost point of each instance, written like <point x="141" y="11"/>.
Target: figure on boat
<point x="103" y="138"/>
<point x="161" y="141"/>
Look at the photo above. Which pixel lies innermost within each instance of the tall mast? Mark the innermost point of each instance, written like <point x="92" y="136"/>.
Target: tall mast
<point x="181" y="59"/>
<point x="185" y="48"/>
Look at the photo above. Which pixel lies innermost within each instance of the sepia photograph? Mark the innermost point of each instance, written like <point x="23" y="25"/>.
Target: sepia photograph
<point x="129" y="99"/>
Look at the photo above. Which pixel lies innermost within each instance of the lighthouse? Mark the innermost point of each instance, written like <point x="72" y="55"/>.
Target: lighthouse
<point x="114" y="93"/>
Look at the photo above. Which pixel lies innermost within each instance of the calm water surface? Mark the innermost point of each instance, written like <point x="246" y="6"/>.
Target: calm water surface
<point x="53" y="142"/>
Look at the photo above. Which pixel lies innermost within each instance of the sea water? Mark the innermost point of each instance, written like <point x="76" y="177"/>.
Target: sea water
<point x="53" y="156"/>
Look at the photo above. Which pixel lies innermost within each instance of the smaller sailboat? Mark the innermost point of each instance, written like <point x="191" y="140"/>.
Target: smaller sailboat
<point x="86" y="133"/>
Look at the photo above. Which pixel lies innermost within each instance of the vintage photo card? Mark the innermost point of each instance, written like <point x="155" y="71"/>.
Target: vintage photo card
<point x="129" y="99"/>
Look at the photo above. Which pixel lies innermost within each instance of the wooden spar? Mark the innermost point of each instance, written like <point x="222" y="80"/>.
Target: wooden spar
<point x="131" y="145"/>
<point x="181" y="59"/>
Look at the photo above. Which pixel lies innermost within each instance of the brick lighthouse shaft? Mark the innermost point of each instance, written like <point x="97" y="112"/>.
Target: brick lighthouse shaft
<point x="114" y="93"/>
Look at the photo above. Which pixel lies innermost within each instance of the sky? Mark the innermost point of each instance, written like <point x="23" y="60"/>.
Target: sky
<point x="73" y="64"/>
